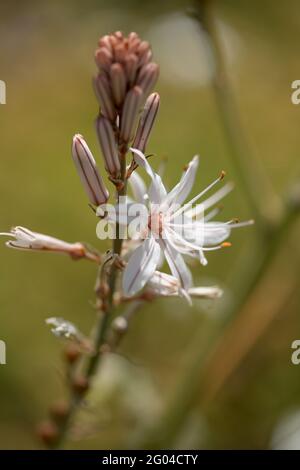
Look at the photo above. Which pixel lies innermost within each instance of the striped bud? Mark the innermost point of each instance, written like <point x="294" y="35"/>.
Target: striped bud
<point x="120" y="52"/>
<point x="108" y="145"/>
<point x="146" y="122"/>
<point x="148" y="77"/>
<point x="88" y="172"/>
<point x="103" y="93"/>
<point x="103" y="58"/>
<point x="118" y="83"/>
<point x="142" y="50"/>
<point x="131" y="65"/>
<point x="130" y="111"/>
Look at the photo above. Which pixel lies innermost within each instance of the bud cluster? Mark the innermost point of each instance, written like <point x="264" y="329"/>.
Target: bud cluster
<point x="126" y="76"/>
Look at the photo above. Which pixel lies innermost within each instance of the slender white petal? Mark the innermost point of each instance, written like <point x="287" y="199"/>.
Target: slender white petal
<point x="177" y="264"/>
<point x="191" y="202"/>
<point x="157" y="191"/>
<point x="215" y="235"/>
<point x="138" y="187"/>
<point x="163" y="284"/>
<point x="212" y="292"/>
<point x="181" y="191"/>
<point x="141" y="266"/>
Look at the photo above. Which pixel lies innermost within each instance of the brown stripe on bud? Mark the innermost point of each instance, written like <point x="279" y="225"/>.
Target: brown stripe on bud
<point x="131" y="65"/>
<point x="148" y="77"/>
<point x="144" y="53"/>
<point x="133" y="45"/>
<point x="118" y="83"/>
<point x="103" y="93"/>
<point x="130" y="111"/>
<point x="88" y="172"/>
<point x="146" y="122"/>
<point x="120" y="52"/>
<point x="145" y="58"/>
<point x="143" y="48"/>
<point x="108" y="145"/>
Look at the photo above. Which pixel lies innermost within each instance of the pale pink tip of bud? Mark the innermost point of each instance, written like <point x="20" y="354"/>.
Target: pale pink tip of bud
<point x="104" y="41"/>
<point x="144" y="53"/>
<point x="88" y="172"/>
<point x="108" y="145"/>
<point x="103" y="58"/>
<point x="119" y="35"/>
<point x="146" y="122"/>
<point x="131" y="108"/>
<point x="132" y="36"/>
<point x="118" y="83"/>
<point x="147" y="77"/>
<point x="103" y="93"/>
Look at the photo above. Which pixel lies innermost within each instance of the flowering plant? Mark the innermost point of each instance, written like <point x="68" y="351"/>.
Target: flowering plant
<point x="159" y="225"/>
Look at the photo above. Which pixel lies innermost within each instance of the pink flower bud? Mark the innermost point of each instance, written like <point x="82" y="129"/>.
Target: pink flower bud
<point x="146" y="122"/>
<point x="130" y="111"/>
<point x="131" y="64"/>
<point x="103" y="93"/>
<point x="103" y="58"/>
<point x="108" y="145"/>
<point x="88" y="172"/>
<point x="118" y="83"/>
<point x="148" y="77"/>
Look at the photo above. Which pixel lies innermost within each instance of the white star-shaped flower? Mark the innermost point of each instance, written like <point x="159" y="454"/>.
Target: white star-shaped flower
<point x="163" y="234"/>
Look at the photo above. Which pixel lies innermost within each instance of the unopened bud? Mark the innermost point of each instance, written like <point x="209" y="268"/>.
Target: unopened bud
<point x="146" y="122"/>
<point x="131" y="65"/>
<point x="130" y="111"/>
<point x="118" y="83"/>
<point x="72" y="353"/>
<point x="48" y="433"/>
<point x="103" y="93"/>
<point x="120" y="324"/>
<point x="88" y="172"/>
<point x="80" y="384"/>
<point x="148" y="77"/>
<point x="142" y="51"/>
<point x="120" y="52"/>
<point x="104" y="41"/>
<point x="103" y="58"/>
<point x="108" y="145"/>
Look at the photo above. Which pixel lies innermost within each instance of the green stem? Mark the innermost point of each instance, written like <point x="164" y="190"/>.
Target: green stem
<point x="103" y="323"/>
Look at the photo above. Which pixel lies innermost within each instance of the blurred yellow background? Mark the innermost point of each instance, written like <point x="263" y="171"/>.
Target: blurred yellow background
<point x="46" y="57"/>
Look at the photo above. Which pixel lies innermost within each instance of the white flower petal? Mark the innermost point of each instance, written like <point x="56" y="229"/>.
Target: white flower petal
<point x="141" y="266"/>
<point x="138" y="187"/>
<point x="212" y="292"/>
<point x="157" y="191"/>
<point x="181" y="191"/>
<point x="177" y="264"/>
<point x="214" y="235"/>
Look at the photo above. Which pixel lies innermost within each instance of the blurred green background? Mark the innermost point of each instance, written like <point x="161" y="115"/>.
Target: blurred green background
<point x="46" y="57"/>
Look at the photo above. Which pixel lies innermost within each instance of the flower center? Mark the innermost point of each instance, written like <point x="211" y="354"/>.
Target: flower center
<point x="155" y="223"/>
